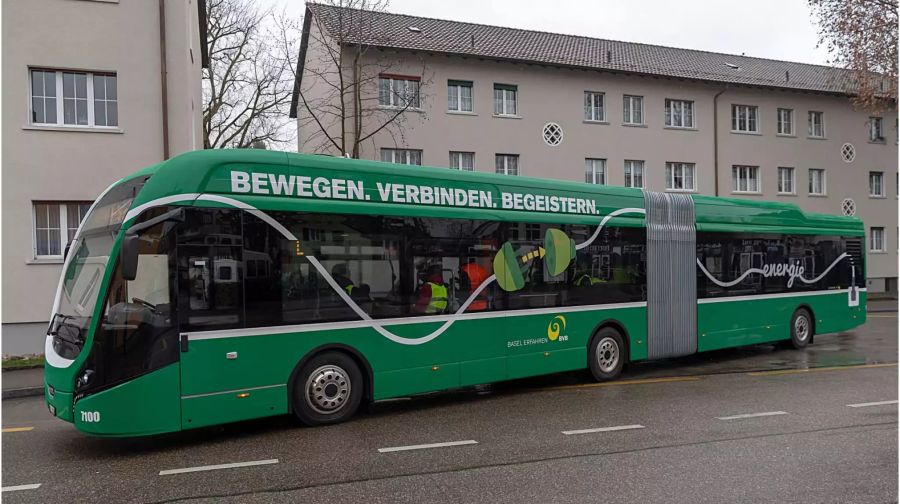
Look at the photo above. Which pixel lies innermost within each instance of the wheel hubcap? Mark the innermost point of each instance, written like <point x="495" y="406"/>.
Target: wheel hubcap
<point x="607" y="354"/>
<point x="801" y="328"/>
<point x="327" y="389"/>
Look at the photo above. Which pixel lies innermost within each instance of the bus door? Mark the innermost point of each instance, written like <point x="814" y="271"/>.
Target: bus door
<point x="671" y="275"/>
<point x="210" y="298"/>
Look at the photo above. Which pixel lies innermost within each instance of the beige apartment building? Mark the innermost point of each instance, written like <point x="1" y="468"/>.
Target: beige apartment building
<point x="93" y="90"/>
<point x="527" y="103"/>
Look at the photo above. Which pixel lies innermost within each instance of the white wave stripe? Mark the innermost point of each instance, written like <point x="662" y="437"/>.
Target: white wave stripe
<point x="762" y="272"/>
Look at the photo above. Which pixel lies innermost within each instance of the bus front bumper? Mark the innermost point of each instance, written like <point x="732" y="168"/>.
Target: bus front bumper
<point x="59" y="403"/>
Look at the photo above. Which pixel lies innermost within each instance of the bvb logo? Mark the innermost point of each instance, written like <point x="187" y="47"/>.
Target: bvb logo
<point x="556" y="325"/>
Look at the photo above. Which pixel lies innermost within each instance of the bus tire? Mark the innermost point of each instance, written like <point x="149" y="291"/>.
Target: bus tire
<point x="606" y="354"/>
<point x="328" y="389"/>
<point x="801" y="328"/>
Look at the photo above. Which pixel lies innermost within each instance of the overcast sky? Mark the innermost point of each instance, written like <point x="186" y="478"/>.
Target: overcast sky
<point x="777" y="29"/>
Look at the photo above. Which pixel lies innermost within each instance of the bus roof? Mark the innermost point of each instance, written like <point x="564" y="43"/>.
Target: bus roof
<point x="273" y="180"/>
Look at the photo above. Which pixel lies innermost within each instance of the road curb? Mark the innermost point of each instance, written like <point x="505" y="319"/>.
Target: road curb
<point x="882" y="310"/>
<point x="23" y="392"/>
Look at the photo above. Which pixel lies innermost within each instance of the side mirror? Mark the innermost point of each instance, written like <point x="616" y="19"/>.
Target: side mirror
<point x="129" y="256"/>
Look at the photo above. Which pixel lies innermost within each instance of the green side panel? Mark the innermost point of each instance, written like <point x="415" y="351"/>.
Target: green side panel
<point x="416" y="380"/>
<point x="145" y="405"/>
<point x="752" y="321"/>
<point x="62" y="401"/>
<point x="233" y="406"/>
<point x="479" y="371"/>
<point x="547" y="361"/>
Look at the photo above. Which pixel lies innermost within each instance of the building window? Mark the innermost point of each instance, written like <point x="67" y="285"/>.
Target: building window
<point x="74" y="99"/>
<point x="507" y="164"/>
<point x="55" y="224"/>
<point x="876" y="184"/>
<point x="633" y="109"/>
<point x="595" y="171"/>
<point x="680" y="176"/>
<point x="745" y="179"/>
<point x="464" y="161"/>
<point x="786" y="180"/>
<point x="876" y="239"/>
<point x="817" y="181"/>
<point x="817" y="124"/>
<point x="402" y="156"/>
<point x="459" y="96"/>
<point x="679" y="113"/>
<point x="876" y="129"/>
<point x="593" y="106"/>
<point x="634" y="173"/>
<point x="398" y="91"/>
<point x="506" y="100"/>
<point x="785" y="121"/>
<point x="745" y="118"/>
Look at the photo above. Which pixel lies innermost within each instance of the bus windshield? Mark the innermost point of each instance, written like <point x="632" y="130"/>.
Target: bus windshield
<point x="90" y="252"/>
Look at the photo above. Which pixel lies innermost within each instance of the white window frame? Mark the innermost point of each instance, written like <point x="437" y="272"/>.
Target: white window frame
<point x="811" y="123"/>
<point x="458" y="106"/>
<point x="594" y="112"/>
<point x="63" y="209"/>
<point x="634" y="168"/>
<point x="745" y="179"/>
<point x="744" y="118"/>
<point x="505" y="91"/>
<point x="404" y="156"/>
<point x="785" y="122"/>
<point x="629" y="109"/>
<point x="506" y="168"/>
<point x="60" y="100"/>
<point x="683" y="105"/>
<point x="456" y="160"/>
<point x="677" y="166"/>
<point x="824" y="182"/>
<point x="876" y="190"/>
<point x="595" y="171"/>
<point x="876" y="129"/>
<point x="395" y="101"/>
<point x="792" y="180"/>
<point x="874" y="245"/>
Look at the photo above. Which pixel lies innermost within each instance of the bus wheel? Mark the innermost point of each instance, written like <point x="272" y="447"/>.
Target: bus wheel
<point x="801" y="328"/>
<point x="606" y="354"/>
<point x="328" y="389"/>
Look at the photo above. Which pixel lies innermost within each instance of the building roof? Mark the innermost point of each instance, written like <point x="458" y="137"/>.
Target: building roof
<point x="399" y="31"/>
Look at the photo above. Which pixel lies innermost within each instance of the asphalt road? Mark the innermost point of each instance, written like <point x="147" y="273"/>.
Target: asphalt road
<point x="746" y="425"/>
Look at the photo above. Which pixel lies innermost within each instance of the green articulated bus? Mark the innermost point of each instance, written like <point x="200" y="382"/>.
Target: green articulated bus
<point x="221" y="286"/>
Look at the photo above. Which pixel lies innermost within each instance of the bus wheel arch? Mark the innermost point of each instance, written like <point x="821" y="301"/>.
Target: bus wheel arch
<point x="361" y="362"/>
<point x="607" y="333"/>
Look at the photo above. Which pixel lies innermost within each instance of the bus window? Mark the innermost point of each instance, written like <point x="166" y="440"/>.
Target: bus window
<point x="445" y="262"/>
<point x="210" y="270"/>
<point x="138" y="333"/>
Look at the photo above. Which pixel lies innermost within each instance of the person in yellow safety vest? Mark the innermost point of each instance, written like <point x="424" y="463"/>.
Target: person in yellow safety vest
<point x="340" y="275"/>
<point x="433" y="293"/>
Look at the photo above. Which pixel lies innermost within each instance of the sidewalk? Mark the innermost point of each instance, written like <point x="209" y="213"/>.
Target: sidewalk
<point x="881" y="305"/>
<point x="23" y="382"/>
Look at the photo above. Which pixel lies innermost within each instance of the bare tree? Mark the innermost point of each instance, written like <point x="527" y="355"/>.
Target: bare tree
<point x="861" y="35"/>
<point x="341" y="98"/>
<point x="247" y="87"/>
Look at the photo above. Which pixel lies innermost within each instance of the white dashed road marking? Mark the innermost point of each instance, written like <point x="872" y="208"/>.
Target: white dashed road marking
<point x="603" y="429"/>
<point x="218" y="466"/>
<point x="752" y="415"/>
<point x="425" y="446"/>
<point x="867" y="404"/>
<point x="33" y="486"/>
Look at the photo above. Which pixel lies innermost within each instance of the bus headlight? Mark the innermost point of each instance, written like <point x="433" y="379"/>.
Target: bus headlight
<point x="85" y="378"/>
